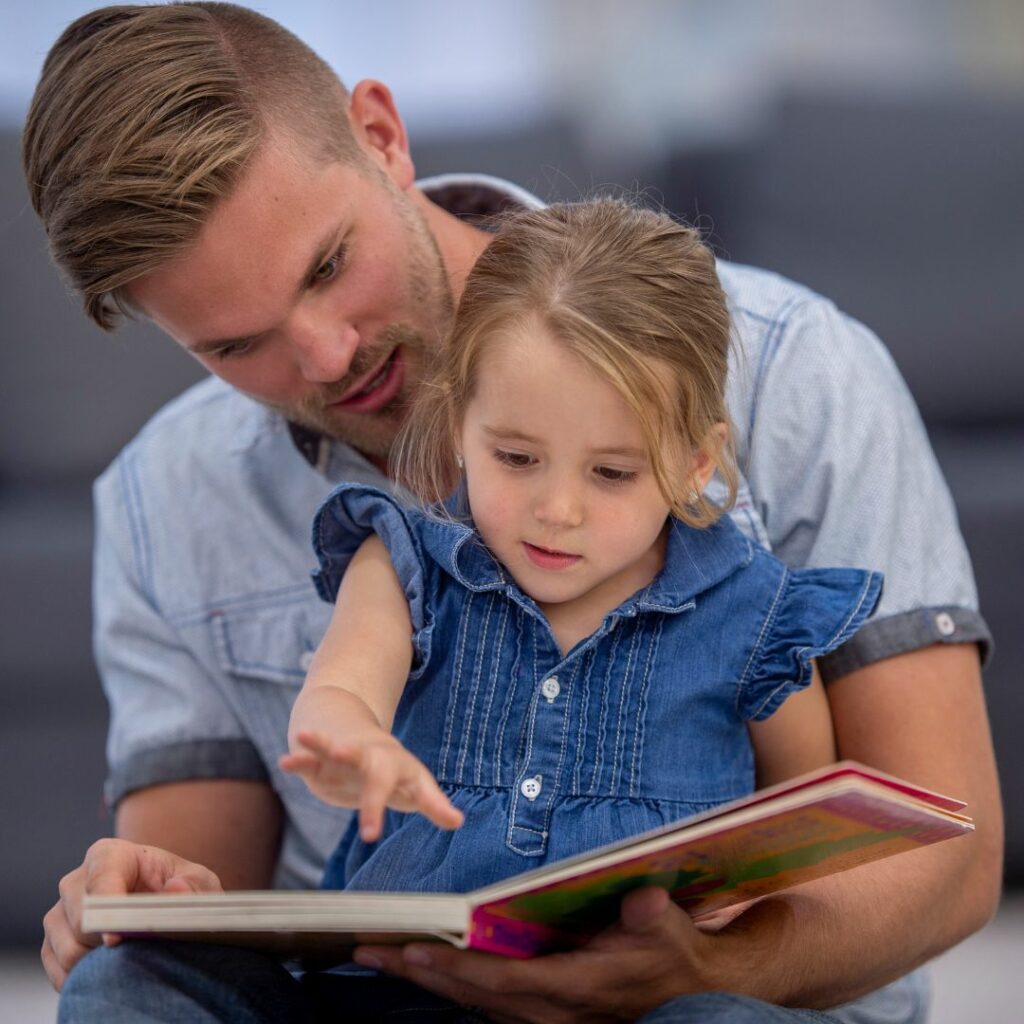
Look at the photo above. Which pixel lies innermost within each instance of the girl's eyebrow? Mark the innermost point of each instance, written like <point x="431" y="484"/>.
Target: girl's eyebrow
<point x="515" y="434"/>
<point x="510" y="434"/>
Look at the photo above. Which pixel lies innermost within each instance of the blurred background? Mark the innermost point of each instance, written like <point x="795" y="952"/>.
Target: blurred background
<point x="874" y="151"/>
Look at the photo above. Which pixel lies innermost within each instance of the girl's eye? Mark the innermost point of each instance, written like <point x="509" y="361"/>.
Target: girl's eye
<point x="329" y="268"/>
<point x="515" y="460"/>
<point x="615" y="476"/>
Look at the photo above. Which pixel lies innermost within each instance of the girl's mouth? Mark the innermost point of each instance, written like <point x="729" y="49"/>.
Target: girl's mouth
<point x="545" y="558"/>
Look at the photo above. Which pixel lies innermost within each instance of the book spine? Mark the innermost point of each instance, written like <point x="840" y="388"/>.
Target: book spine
<point x="520" y="939"/>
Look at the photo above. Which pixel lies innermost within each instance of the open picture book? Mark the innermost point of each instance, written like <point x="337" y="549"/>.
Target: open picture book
<point x="827" y="821"/>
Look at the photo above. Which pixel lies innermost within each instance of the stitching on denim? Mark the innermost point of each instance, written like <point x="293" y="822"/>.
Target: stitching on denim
<point x="466" y="732"/>
<point x="755" y="650"/>
<point x="528" y="753"/>
<point x="453" y="699"/>
<point x="835" y="638"/>
<point x="769" y="347"/>
<point x="554" y="783"/>
<point x="653" y="643"/>
<point x="602" y="722"/>
<point x="506" y="711"/>
<point x="587" y="667"/>
<point x="523" y="850"/>
<point x="624" y="687"/>
<point x="132" y="492"/>
<point x="496" y="660"/>
<point x="264" y="600"/>
<point x="840" y="633"/>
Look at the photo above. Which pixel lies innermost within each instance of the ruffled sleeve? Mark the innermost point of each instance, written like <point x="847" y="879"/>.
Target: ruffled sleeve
<point x="814" y="611"/>
<point x="349" y="515"/>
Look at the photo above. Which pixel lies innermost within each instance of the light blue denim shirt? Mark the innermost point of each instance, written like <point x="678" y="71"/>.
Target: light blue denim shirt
<point x="205" y="616"/>
<point x="550" y="753"/>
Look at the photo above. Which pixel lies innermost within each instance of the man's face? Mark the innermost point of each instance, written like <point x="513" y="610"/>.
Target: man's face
<point x="316" y="289"/>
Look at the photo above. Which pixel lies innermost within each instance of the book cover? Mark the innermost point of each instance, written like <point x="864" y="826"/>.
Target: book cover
<point x="827" y="821"/>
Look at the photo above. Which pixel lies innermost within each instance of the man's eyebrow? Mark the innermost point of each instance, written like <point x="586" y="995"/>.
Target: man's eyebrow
<point x="499" y="433"/>
<point x="327" y="245"/>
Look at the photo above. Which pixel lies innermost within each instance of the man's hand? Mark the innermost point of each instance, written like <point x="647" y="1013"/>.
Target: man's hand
<point x="370" y="771"/>
<point x="653" y="953"/>
<point x="111" y="867"/>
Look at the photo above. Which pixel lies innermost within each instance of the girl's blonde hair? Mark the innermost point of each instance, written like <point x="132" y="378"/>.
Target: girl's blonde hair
<point x="633" y="294"/>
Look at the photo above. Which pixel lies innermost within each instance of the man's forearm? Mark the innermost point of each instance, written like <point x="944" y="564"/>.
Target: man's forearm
<point x="232" y="827"/>
<point x="838" y="938"/>
<point x="921" y="716"/>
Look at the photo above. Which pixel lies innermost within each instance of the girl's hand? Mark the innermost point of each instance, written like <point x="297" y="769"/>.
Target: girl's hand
<point x="372" y="772"/>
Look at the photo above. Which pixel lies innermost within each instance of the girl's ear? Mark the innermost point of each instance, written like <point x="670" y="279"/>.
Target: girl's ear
<point x="705" y="456"/>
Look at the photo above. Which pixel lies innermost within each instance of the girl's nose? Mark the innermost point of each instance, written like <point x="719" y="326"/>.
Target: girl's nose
<point x="559" y="504"/>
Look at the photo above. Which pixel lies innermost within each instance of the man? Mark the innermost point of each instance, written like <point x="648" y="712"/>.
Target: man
<point x="199" y="166"/>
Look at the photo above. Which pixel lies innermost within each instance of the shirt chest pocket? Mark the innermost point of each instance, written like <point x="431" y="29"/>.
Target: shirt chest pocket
<point x="264" y="651"/>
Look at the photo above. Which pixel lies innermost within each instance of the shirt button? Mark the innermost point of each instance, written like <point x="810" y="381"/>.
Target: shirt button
<point x="530" y="788"/>
<point x="945" y="624"/>
<point x="550" y="689"/>
<point x="306" y="659"/>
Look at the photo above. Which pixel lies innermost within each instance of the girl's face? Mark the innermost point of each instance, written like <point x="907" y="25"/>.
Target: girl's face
<point x="560" y="483"/>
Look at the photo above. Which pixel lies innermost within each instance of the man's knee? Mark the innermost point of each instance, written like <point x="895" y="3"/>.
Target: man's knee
<point x="723" y="1008"/>
<point x="145" y="982"/>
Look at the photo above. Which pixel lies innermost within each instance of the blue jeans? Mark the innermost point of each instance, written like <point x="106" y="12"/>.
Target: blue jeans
<point x="191" y="983"/>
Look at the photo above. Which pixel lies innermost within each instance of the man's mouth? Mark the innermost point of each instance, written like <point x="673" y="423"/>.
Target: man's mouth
<point x="378" y="390"/>
<point x="548" y="558"/>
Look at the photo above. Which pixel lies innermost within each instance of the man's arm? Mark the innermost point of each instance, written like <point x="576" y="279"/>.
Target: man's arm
<point x="919" y="715"/>
<point x="184" y="836"/>
<point x="232" y="827"/>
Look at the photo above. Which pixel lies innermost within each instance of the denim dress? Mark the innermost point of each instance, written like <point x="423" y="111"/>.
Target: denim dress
<point x="549" y="754"/>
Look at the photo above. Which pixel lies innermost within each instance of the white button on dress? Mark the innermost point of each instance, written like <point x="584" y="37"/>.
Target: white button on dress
<point x="530" y="788"/>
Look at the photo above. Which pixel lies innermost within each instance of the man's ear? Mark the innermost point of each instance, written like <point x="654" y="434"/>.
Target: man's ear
<point x="378" y="128"/>
<point x="705" y="457"/>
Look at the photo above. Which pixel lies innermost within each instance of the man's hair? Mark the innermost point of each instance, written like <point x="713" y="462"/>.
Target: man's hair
<point x="630" y="292"/>
<point x="145" y="117"/>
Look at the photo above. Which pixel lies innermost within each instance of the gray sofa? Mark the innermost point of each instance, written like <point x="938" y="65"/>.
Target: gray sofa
<point x="908" y="217"/>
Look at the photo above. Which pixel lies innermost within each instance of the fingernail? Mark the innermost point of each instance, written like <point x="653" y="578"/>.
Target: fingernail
<point x="369" y="960"/>
<point x="416" y="955"/>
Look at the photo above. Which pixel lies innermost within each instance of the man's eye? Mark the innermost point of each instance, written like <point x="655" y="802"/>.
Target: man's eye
<point x="516" y="460"/>
<point x="615" y="476"/>
<point x="239" y="348"/>
<point x="328" y="270"/>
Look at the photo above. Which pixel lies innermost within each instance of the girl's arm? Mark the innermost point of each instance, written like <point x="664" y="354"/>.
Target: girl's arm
<point x="797" y="738"/>
<point x="339" y="735"/>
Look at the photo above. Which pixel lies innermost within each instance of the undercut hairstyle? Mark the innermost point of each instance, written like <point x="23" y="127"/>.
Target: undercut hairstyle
<point x="633" y="294"/>
<point x="146" y="116"/>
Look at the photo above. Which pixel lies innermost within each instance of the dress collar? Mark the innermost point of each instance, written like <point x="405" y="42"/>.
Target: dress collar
<point x="695" y="560"/>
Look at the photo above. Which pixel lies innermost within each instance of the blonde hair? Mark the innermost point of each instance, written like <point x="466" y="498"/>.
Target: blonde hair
<point x="146" y="116"/>
<point x="629" y="291"/>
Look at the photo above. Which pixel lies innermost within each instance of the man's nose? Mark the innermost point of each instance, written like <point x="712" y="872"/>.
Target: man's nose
<point x="323" y="346"/>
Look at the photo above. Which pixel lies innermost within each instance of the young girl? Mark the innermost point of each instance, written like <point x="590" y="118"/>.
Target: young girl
<point x="565" y="642"/>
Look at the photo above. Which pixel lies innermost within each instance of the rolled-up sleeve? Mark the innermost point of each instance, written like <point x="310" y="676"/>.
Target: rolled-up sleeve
<point x="168" y="721"/>
<point x="843" y="474"/>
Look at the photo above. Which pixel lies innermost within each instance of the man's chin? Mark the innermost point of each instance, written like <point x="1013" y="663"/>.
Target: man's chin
<point x="372" y="434"/>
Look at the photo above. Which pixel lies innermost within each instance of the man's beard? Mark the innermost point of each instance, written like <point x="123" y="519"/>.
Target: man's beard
<point x="374" y="433"/>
